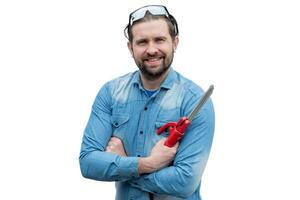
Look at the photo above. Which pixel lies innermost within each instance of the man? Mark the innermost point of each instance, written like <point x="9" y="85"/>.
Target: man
<point x="120" y="143"/>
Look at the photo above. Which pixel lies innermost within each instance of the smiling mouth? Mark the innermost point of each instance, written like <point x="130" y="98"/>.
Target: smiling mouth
<point x="153" y="61"/>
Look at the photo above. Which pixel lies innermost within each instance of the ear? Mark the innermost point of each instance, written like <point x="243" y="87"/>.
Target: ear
<point x="129" y="45"/>
<point x="175" y="43"/>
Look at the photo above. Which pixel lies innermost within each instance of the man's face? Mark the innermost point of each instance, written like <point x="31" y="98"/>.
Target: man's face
<point x="152" y="48"/>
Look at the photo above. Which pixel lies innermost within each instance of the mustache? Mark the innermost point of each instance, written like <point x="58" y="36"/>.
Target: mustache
<point x="147" y="57"/>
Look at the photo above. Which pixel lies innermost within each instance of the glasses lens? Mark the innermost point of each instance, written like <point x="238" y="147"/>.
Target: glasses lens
<point x="154" y="10"/>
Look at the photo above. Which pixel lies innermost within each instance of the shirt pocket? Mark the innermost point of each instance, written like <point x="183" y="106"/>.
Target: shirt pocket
<point x="120" y="124"/>
<point x="166" y="116"/>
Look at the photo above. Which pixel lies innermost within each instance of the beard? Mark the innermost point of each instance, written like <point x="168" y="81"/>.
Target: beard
<point x="149" y="72"/>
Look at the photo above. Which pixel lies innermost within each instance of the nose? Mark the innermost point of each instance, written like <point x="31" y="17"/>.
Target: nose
<point x="152" y="48"/>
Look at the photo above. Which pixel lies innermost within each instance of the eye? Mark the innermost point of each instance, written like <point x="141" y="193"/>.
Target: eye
<point x="141" y="42"/>
<point x="160" y="40"/>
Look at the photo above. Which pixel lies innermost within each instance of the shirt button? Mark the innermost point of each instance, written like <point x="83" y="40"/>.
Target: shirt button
<point x="116" y="123"/>
<point x="141" y="132"/>
<point x="145" y="108"/>
<point x="138" y="155"/>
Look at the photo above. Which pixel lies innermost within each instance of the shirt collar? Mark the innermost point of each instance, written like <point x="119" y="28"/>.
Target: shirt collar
<point x="170" y="80"/>
<point x="167" y="83"/>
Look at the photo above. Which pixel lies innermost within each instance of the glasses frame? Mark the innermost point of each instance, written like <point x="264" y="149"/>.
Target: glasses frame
<point x="153" y="9"/>
<point x="157" y="10"/>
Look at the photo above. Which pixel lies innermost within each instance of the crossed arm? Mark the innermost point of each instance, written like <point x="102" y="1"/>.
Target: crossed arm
<point x="153" y="173"/>
<point x="161" y="156"/>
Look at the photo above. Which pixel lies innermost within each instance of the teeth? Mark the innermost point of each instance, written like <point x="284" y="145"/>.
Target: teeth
<point x="153" y="59"/>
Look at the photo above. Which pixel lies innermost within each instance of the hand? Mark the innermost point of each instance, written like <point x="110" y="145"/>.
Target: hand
<point x="161" y="156"/>
<point x="115" y="145"/>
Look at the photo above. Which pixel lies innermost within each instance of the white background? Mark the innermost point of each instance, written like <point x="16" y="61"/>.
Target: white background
<point x="55" y="55"/>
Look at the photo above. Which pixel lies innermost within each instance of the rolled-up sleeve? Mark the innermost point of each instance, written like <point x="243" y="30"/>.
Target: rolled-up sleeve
<point x="95" y="163"/>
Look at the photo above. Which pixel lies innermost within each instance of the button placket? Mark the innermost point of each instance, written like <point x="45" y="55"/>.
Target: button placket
<point x="141" y="135"/>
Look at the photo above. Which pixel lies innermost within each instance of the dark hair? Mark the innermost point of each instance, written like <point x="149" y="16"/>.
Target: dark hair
<point x="171" y="21"/>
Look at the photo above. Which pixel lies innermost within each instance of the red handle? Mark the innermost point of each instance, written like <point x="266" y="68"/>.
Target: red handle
<point x="164" y="127"/>
<point x="176" y="130"/>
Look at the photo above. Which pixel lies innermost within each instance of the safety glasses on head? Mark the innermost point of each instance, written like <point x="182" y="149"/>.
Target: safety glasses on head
<point x="158" y="10"/>
<point x="153" y="9"/>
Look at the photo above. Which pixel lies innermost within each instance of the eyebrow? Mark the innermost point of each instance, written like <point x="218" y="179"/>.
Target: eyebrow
<point x="155" y="38"/>
<point x="160" y="37"/>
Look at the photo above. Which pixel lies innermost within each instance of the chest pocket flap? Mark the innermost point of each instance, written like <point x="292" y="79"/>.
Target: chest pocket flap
<point x="119" y="119"/>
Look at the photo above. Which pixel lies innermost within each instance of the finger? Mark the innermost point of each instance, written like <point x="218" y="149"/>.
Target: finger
<point x="112" y="141"/>
<point x="162" y="141"/>
<point x="115" y="139"/>
<point x="109" y="144"/>
<point x="176" y="145"/>
<point x="108" y="149"/>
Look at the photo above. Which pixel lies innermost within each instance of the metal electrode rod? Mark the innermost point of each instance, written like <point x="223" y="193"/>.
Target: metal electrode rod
<point x="201" y="102"/>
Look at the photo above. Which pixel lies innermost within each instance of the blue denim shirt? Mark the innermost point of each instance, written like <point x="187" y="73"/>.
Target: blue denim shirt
<point x="123" y="109"/>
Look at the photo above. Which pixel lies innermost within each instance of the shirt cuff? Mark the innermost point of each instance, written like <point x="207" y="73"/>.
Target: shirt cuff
<point x="128" y="167"/>
<point x="145" y="183"/>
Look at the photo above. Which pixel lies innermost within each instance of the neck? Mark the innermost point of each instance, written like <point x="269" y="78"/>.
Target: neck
<point x="153" y="84"/>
